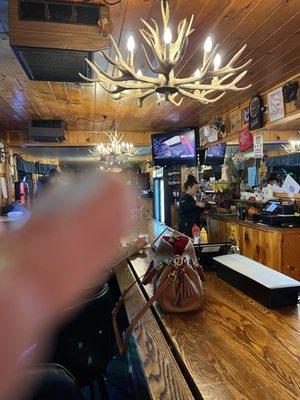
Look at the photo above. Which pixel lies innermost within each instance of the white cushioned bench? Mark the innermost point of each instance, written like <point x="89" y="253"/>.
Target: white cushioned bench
<point x="264" y="284"/>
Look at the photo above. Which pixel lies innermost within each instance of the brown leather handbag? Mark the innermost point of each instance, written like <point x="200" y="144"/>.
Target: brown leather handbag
<point x="177" y="282"/>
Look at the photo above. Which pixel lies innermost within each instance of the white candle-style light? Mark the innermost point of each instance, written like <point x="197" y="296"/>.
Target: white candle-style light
<point x="208" y="45"/>
<point x="168" y="41"/>
<point x="130" y="43"/>
<point x="217" y="61"/>
<point x="168" y="36"/>
<point x="139" y="72"/>
<point x="130" y="47"/>
<point x="207" y="49"/>
<point x="197" y="73"/>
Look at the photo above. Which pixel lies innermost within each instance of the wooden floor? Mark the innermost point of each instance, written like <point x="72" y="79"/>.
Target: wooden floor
<point x="234" y="348"/>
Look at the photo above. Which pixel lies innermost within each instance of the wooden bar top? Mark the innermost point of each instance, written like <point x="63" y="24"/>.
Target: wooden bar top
<point x="233" y="348"/>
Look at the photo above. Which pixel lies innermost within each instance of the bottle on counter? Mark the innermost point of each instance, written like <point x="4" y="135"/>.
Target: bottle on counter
<point x="196" y="234"/>
<point x="203" y="236"/>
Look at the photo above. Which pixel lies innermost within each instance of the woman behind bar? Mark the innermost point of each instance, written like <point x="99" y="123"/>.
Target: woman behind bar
<point x="189" y="209"/>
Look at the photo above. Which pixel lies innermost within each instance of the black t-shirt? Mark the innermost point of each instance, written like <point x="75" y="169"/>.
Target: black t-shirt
<point x="188" y="210"/>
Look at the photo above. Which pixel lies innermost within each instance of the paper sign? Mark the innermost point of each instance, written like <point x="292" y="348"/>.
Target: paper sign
<point x="245" y="139"/>
<point x="290" y="186"/>
<point x="4" y="188"/>
<point x="258" y="146"/>
<point x="252" y="176"/>
<point x="275" y="105"/>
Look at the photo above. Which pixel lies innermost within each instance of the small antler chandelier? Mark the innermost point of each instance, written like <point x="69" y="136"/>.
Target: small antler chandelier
<point x="114" y="155"/>
<point x="292" y="147"/>
<point x="208" y="84"/>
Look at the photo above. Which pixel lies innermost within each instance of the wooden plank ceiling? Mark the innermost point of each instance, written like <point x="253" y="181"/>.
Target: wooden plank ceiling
<point x="269" y="27"/>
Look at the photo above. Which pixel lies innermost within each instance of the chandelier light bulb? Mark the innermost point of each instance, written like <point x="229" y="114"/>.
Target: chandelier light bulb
<point x="197" y="73"/>
<point x="130" y="43"/>
<point x="168" y="36"/>
<point x="139" y="73"/>
<point x="208" y="45"/>
<point x="217" y="61"/>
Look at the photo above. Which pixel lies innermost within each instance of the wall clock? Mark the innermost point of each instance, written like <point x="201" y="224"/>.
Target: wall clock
<point x="256" y="113"/>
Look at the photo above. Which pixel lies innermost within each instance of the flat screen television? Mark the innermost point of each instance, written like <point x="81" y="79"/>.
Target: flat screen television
<point x="178" y="147"/>
<point x="215" y="155"/>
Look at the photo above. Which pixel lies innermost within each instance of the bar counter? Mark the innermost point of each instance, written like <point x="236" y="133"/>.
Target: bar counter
<point x="277" y="248"/>
<point x="233" y="348"/>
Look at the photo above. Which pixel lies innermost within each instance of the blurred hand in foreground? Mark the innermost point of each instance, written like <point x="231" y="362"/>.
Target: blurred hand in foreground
<point x="141" y="242"/>
<point x="63" y="249"/>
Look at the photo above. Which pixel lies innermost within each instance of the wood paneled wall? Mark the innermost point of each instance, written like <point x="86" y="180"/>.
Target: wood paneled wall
<point x="76" y="138"/>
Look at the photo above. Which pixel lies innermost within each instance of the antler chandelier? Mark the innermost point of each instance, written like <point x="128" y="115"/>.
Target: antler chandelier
<point x="292" y="147"/>
<point x="208" y="84"/>
<point x="114" y="155"/>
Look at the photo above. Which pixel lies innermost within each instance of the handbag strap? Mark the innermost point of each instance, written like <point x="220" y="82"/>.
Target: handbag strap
<point x="122" y="344"/>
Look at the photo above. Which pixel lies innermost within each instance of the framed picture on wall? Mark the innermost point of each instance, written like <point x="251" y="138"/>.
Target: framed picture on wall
<point x="275" y="104"/>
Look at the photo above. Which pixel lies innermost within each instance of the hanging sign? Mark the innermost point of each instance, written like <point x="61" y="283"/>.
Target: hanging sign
<point x="275" y="105"/>
<point x="258" y="146"/>
<point x="245" y="139"/>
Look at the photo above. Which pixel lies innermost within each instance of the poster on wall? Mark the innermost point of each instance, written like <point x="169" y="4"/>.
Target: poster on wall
<point x="258" y="146"/>
<point x="245" y="139"/>
<point x="275" y="105"/>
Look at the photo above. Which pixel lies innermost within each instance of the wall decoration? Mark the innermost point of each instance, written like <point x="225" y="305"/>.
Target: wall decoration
<point x="258" y="146"/>
<point x="290" y="90"/>
<point x="245" y="139"/>
<point x="233" y="122"/>
<point x="275" y="105"/>
<point x="207" y="134"/>
<point x="256" y="116"/>
<point x="2" y="153"/>
<point x="202" y="137"/>
<point x="246" y="115"/>
<point x="211" y="134"/>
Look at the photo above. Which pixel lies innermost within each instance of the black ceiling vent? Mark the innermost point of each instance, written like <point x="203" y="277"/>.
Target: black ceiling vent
<point x="67" y="13"/>
<point x="47" y="130"/>
<point x="54" y="65"/>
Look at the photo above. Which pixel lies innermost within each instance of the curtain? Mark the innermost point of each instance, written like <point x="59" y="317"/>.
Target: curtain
<point x="34" y="168"/>
<point x="290" y="160"/>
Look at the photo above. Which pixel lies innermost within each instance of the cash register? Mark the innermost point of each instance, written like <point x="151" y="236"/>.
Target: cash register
<point x="278" y="214"/>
